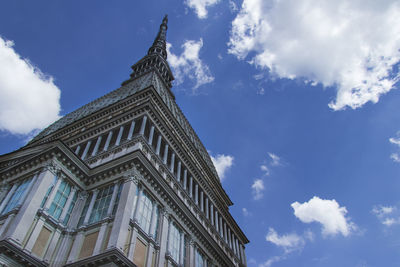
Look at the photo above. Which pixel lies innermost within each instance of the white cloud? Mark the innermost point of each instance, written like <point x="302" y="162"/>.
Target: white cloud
<point x="386" y="215"/>
<point x="390" y="221"/>
<point x="327" y="212"/>
<point x="189" y="64"/>
<point x="258" y="189"/>
<point x="382" y="210"/>
<point x="352" y="45"/>
<point x="222" y="163"/>
<point x="29" y="100"/>
<point x="276" y="160"/>
<point x="200" y="6"/>
<point x="288" y="242"/>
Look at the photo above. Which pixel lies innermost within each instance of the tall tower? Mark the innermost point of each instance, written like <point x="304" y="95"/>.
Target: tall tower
<point x="122" y="181"/>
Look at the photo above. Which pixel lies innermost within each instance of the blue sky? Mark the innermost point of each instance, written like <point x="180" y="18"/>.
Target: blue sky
<point x="295" y="100"/>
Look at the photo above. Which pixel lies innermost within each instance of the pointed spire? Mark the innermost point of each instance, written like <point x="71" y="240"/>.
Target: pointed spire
<point x="160" y="43"/>
<point x="155" y="60"/>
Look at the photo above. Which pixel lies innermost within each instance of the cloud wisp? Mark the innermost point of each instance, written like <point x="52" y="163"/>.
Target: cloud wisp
<point x="200" y="6"/>
<point x="328" y="213"/>
<point x="396" y="141"/>
<point x="29" y="100"/>
<point x="350" y="45"/>
<point x="222" y="164"/>
<point x="288" y="242"/>
<point x="189" y="65"/>
<point x="387" y="215"/>
<point x="257" y="189"/>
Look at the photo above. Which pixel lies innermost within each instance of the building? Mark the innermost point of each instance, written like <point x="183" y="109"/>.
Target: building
<point x="121" y="181"/>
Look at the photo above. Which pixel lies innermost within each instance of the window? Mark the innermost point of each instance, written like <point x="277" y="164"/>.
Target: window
<point x="199" y="259"/>
<point x="71" y="207"/>
<point x="58" y="204"/>
<point x="17" y="195"/>
<point x="49" y="191"/>
<point x="174" y="242"/>
<point x="101" y="204"/>
<point x="144" y="212"/>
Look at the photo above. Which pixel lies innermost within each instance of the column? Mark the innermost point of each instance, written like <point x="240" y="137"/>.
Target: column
<point x="150" y="251"/>
<point x="34" y="235"/>
<point x="138" y="204"/>
<point x="90" y="208"/>
<point x="233" y="243"/>
<point x="172" y="166"/>
<point x="151" y="135"/>
<point x="181" y="248"/>
<point x="119" y="231"/>
<point x="221" y="232"/>
<point x="229" y="238"/>
<point x="196" y="194"/>
<point x="78" y="148"/>
<point x="113" y="198"/>
<point x="153" y="223"/>
<point x="237" y="248"/>
<point x="52" y="194"/>
<point x="132" y="242"/>
<point x="165" y="154"/>
<point x="143" y="126"/>
<point x="207" y="209"/>
<point x="164" y="238"/>
<point x="244" y="261"/>
<point x="130" y="133"/>
<point x="8" y="196"/>
<point x="96" y="147"/>
<point x="216" y="221"/>
<point x="86" y="149"/>
<point x="158" y="144"/>
<point x="110" y="134"/>
<point x="225" y="233"/>
<point x="185" y="179"/>
<point x="212" y="213"/>
<point x="67" y="204"/>
<point x="121" y="130"/>
<point x="62" y="250"/>
<point x="100" y="238"/>
<point x="178" y="171"/>
<point x="191" y="187"/>
<point x="79" y="205"/>
<point x="53" y="245"/>
<point x="76" y="247"/>
<point x="191" y="254"/>
<point x="202" y="201"/>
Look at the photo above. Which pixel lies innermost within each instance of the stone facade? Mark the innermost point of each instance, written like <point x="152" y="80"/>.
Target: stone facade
<point x="121" y="181"/>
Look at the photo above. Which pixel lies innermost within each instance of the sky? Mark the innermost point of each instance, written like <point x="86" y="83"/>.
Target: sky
<point x="295" y="100"/>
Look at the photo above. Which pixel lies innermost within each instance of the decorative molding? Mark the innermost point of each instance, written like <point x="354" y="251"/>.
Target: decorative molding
<point x="133" y="175"/>
<point x="53" y="167"/>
